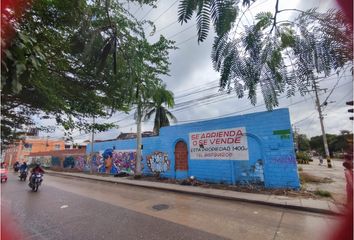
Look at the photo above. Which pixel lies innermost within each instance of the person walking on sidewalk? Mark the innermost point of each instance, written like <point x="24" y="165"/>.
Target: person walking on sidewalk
<point x="348" y="172"/>
<point x="321" y="160"/>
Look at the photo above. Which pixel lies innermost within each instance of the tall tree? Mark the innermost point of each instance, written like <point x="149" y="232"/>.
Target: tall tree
<point x="160" y="101"/>
<point x="303" y="142"/>
<point x="74" y="60"/>
<point x="277" y="56"/>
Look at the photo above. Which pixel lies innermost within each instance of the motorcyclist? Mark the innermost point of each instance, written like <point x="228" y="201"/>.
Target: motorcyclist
<point x="23" y="170"/>
<point x="15" y="166"/>
<point x="23" y="167"/>
<point x="37" y="169"/>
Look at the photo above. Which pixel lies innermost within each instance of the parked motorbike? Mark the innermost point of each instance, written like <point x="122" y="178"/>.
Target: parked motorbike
<point x="3" y="174"/>
<point x="23" y="175"/>
<point x="35" y="181"/>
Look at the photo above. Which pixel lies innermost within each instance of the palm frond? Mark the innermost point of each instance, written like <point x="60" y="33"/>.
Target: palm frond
<point x="171" y="116"/>
<point x="223" y="15"/>
<point x="203" y="20"/>
<point x="186" y="9"/>
<point x="147" y="115"/>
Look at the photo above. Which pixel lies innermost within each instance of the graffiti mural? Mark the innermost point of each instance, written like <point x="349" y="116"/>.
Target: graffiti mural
<point x="69" y="162"/>
<point x="158" y="162"/>
<point x="55" y="161"/>
<point x="283" y="159"/>
<point x="45" y="161"/>
<point x="253" y="174"/>
<point x="114" y="161"/>
<point x="81" y="163"/>
<point x="96" y="161"/>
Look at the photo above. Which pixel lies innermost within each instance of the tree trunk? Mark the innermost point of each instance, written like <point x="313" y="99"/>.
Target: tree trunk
<point x="138" y="143"/>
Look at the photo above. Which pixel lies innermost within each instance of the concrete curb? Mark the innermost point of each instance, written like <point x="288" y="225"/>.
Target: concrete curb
<point x="204" y="194"/>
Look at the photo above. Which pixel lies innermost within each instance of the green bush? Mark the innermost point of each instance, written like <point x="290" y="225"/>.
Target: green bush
<point x="323" y="193"/>
<point x="303" y="158"/>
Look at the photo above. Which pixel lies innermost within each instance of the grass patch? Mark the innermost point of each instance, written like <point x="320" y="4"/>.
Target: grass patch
<point x="299" y="169"/>
<point x="323" y="193"/>
<point x="308" y="178"/>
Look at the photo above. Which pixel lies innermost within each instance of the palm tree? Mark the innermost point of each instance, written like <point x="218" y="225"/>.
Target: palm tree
<point x="160" y="101"/>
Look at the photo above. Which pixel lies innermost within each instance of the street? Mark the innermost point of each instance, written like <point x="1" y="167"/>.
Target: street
<point x="71" y="208"/>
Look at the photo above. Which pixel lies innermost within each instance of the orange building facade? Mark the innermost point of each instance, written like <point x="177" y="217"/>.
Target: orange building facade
<point x="20" y="151"/>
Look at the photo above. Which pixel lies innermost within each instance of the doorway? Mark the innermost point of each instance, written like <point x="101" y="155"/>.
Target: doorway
<point x="181" y="156"/>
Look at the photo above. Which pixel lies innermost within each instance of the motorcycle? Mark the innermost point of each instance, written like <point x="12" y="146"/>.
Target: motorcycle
<point x="3" y="173"/>
<point x="35" y="181"/>
<point x="23" y="175"/>
<point x="16" y="167"/>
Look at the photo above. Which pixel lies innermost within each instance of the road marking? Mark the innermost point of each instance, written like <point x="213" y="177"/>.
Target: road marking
<point x="64" y="206"/>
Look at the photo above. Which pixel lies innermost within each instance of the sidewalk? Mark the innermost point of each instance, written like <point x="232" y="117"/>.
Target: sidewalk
<point x="310" y="205"/>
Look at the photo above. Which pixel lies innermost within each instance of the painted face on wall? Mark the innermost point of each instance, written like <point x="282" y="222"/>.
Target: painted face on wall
<point x="107" y="160"/>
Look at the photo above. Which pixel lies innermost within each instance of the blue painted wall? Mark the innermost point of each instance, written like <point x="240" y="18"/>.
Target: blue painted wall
<point x="271" y="160"/>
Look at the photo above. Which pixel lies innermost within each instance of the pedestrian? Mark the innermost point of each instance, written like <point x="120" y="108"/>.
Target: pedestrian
<point x="321" y="160"/>
<point x="348" y="172"/>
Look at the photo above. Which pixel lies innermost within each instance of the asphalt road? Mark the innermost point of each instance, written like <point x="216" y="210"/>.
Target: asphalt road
<point x="70" y="208"/>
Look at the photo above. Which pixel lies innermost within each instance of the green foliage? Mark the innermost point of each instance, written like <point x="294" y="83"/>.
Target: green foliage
<point x="302" y="157"/>
<point x="259" y="56"/>
<point x="74" y="60"/>
<point x="221" y="13"/>
<point x="160" y="98"/>
<point x="323" y="193"/>
<point x="264" y="20"/>
<point x="279" y="57"/>
<point x="336" y="143"/>
<point x="303" y="142"/>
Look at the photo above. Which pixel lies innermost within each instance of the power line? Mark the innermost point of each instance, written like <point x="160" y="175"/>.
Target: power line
<point x="149" y="11"/>
<point x="166" y="10"/>
<point x="229" y="114"/>
<point x="187" y="40"/>
<point x="174" y="35"/>
<point x="302" y="120"/>
<point x="208" y="99"/>
<point x="167" y="26"/>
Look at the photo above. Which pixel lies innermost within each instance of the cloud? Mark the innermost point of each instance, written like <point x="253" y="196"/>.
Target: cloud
<point x="192" y="71"/>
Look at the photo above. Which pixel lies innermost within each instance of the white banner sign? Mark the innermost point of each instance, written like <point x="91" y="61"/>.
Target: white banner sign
<point x="220" y="144"/>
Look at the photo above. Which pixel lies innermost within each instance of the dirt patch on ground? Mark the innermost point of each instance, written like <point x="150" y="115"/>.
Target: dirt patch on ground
<point x="251" y="188"/>
<point x="238" y="188"/>
<point x="308" y="178"/>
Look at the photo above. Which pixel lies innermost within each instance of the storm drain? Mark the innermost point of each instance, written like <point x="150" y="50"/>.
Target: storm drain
<point x="159" y="207"/>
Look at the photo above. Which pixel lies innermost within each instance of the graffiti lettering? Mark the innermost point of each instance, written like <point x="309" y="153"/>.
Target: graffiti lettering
<point x="158" y="162"/>
<point x="253" y="174"/>
<point x="285" y="159"/>
<point x="114" y="162"/>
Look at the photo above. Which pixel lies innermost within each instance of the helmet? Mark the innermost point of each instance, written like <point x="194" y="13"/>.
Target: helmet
<point x="107" y="153"/>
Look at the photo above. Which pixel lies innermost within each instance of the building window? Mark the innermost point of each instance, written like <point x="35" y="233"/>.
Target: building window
<point x="57" y="147"/>
<point x="27" y="147"/>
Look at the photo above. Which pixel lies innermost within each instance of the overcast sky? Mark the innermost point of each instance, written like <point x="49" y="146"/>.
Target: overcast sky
<point x="193" y="78"/>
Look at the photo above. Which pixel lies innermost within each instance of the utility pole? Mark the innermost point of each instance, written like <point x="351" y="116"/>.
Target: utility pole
<point x="92" y="139"/>
<point x="138" y="123"/>
<point x="296" y="138"/>
<point x="138" y="136"/>
<point x="319" y="109"/>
